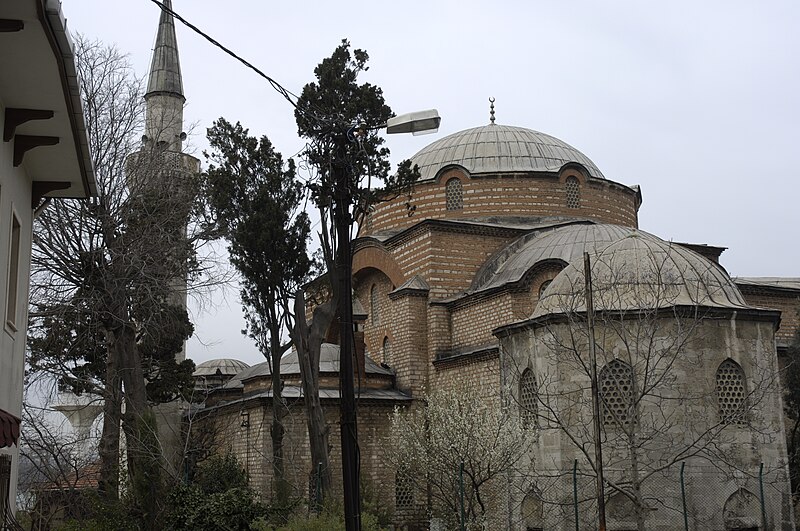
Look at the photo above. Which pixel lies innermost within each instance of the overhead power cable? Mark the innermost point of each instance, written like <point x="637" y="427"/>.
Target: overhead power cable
<point x="287" y="94"/>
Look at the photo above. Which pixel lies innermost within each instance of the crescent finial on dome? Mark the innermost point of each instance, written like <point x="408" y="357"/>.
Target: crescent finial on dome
<point x="491" y="110"/>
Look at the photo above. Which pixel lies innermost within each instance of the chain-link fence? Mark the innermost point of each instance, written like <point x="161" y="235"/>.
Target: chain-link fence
<point x="683" y="496"/>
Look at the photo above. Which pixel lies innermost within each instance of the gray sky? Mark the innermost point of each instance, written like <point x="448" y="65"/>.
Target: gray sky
<point x="696" y="102"/>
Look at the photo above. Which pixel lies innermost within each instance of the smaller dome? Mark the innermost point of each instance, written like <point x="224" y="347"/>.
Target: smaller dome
<point x="500" y="149"/>
<point x="641" y="271"/>
<point x="562" y="244"/>
<point x="290" y="366"/>
<point x="220" y="366"/>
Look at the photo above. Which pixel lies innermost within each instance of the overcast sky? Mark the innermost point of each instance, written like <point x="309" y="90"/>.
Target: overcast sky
<point x="696" y="102"/>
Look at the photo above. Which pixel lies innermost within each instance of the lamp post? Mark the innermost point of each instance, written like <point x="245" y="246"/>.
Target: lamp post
<point x="415" y="123"/>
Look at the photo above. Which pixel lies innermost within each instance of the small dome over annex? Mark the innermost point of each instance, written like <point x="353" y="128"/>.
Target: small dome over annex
<point x="497" y="148"/>
<point x="219" y="366"/>
<point x="290" y="366"/>
<point x="641" y="271"/>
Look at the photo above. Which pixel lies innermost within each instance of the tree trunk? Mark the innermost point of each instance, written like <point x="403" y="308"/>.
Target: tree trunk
<point x="108" y="484"/>
<point x="280" y="485"/>
<point x="141" y="430"/>
<point x="308" y="341"/>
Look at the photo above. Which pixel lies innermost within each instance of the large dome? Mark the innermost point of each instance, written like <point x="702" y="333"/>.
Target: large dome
<point x="500" y="148"/>
<point x="641" y="271"/>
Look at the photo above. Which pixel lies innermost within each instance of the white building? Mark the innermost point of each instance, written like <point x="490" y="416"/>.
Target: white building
<point x="44" y="153"/>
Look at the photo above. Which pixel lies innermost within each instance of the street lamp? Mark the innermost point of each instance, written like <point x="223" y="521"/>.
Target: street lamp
<point x="415" y="123"/>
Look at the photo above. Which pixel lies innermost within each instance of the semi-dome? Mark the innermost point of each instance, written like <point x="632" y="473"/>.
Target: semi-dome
<point x="563" y="244"/>
<point x="640" y="271"/>
<point x="500" y="148"/>
<point x="221" y="366"/>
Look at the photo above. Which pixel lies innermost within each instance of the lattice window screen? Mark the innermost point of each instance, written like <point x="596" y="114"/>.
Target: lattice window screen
<point x="528" y="403"/>
<point x="731" y="393"/>
<point x="454" y="194"/>
<point x="403" y="492"/>
<point x="616" y="392"/>
<point x="573" y="192"/>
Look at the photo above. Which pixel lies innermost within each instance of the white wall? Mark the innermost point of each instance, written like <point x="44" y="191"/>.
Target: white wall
<point x="15" y="196"/>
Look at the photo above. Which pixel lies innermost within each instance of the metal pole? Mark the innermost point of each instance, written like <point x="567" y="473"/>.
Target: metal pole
<point x="461" y="495"/>
<point x="318" y="500"/>
<point x="575" y="492"/>
<point x="683" y="496"/>
<point x="347" y="400"/>
<point x="598" y="449"/>
<point x="761" y="488"/>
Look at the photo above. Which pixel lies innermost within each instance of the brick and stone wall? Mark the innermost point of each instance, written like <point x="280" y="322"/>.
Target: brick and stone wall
<point x="252" y="444"/>
<point x="787" y="302"/>
<point x="509" y="195"/>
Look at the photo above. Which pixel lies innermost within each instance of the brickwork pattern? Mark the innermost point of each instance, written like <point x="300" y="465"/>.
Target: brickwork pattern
<point x="510" y="195"/>
<point x="787" y="303"/>
<point x="473" y="323"/>
<point x="252" y="445"/>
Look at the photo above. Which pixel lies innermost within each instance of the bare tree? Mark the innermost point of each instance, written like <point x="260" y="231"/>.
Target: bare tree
<point x="109" y="274"/>
<point x="661" y="364"/>
<point x="57" y="469"/>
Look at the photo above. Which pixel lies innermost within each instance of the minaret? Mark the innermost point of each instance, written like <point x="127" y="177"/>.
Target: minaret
<point x="164" y="98"/>
<point x="162" y="163"/>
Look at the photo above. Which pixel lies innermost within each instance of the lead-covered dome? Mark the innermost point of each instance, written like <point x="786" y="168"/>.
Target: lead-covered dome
<point x="640" y="271"/>
<point x="220" y="366"/>
<point x="498" y="149"/>
<point x="560" y="244"/>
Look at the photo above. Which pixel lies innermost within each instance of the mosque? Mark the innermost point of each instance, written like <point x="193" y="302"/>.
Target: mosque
<point x="483" y="287"/>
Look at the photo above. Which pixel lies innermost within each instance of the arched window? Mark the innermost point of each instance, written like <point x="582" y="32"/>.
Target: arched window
<point x="543" y="287"/>
<point x="387" y="350"/>
<point x="573" y="192"/>
<point x="528" y="402"/>
<point x="616" y="393"/>
<point x="403" y="491"/>
<point x="731" y="393"/>
<point x="742" y="511"/>
<point x="454" y="194"/>
<point x="374" y="309"/>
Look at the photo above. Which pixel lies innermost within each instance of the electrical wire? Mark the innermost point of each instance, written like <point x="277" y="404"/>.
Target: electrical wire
<point x="287" y="94"/>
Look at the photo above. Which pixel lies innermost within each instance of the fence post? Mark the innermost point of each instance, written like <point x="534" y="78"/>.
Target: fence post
<point x="318" y="494"/>
<point x="761" y="489"/>
<point x="461" y="494"/>
<point x="575" y="492"/>
<point x="683" y="497"/>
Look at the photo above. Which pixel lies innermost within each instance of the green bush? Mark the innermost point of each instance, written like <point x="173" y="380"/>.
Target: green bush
<point x="327" y="521"/>
<point x="218" y="499"/>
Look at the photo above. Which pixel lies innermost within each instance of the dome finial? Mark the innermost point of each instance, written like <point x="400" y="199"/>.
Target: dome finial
<point x="491" y="110"/>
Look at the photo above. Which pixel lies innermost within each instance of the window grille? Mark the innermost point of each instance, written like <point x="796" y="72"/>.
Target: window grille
<point x="616" y="393"/>
<point x="403" y="492"/>
<point x="529" y="407"/>
<point x="731" y="393"/>
<point x="573" y="192"/>
<point x="373" y="305"/>
<point x="454" y="194"/>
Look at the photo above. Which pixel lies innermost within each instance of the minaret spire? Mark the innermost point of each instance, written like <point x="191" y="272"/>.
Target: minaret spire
<point x="164" y="97"/>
